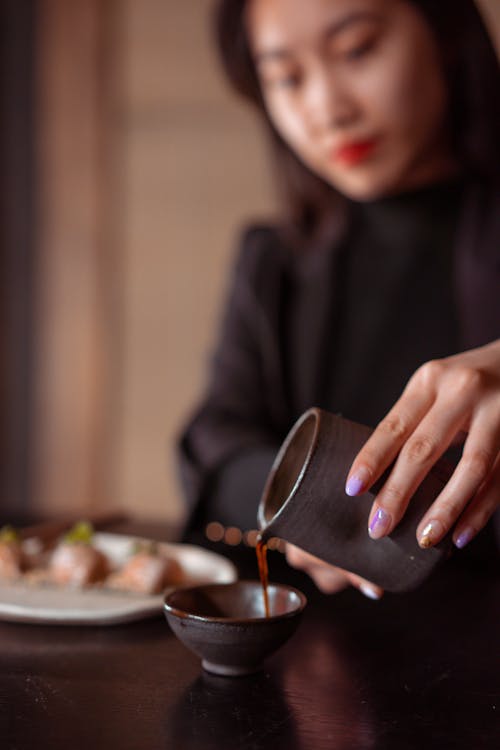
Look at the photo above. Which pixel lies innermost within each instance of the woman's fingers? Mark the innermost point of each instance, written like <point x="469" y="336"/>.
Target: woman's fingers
<point x="386" y="441"/>
<point x="444" y="398"/>
<point x="479" y="512"/>
<point x="328" y="578"/>
<point x="369" y="589"/>
<point x="420" y="452"/>
<point x="472" y="478"/>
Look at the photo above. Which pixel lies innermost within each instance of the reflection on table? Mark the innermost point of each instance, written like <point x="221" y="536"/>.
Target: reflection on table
<point x="411" y="671"/>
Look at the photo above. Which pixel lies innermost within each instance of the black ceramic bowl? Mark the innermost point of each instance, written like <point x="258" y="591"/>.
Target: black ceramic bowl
<point x="226" y="626"/>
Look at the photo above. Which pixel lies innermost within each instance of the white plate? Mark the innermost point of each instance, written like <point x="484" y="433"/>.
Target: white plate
<point x="22" y="602"/>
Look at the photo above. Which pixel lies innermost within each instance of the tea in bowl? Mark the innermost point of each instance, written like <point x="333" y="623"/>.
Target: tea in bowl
<point x="225" y="624"/>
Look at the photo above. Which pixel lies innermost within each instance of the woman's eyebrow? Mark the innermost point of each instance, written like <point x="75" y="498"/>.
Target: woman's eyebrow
<point x="336" y="27"/>
<point x="351" y="19"/>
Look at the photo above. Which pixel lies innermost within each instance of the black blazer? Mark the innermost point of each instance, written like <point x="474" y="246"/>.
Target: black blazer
<point x="268" y="360"/>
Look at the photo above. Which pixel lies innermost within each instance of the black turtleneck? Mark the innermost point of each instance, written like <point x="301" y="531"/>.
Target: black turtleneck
<point x="393" y="308"/>
<point x="395" y="305"/>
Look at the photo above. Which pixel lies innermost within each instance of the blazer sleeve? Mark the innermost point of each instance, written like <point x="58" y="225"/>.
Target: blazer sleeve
<point x="227" y="448"/>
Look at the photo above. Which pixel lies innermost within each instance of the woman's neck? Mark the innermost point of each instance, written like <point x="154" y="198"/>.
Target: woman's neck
<point x="439" y="165"/>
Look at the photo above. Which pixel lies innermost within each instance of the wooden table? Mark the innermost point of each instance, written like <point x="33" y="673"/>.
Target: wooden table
<point x="418" y="670"/>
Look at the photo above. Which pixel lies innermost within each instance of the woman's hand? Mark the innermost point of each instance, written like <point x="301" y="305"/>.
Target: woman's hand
<point x="444" y="399"/>
<point x="328" y="578"/>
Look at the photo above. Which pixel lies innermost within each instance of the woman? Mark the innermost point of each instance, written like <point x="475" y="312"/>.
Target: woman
<point x="379" y="295"/>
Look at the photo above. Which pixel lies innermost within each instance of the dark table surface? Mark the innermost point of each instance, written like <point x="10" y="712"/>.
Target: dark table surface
<point x="418" y="670"/>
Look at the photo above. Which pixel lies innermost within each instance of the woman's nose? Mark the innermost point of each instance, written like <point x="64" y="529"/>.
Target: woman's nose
<point x="328" y="102"/>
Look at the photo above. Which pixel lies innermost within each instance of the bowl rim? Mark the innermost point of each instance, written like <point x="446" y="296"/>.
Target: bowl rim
<point x="190" y="616"/>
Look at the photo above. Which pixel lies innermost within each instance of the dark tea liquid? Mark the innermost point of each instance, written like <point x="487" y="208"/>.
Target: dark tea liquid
<point x="261" y="549"/>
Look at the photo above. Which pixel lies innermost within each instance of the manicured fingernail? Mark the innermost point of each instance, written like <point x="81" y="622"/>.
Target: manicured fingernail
<point x="433" y="531"/>
<point x="464" y="538"/>
<point x="358" y="482"/>
<point x="379" y="524"/>
<point x="369" y="591"/>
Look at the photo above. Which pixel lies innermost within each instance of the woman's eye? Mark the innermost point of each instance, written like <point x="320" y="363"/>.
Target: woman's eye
<point x="287" y="82"/>
<point x="283" y="82"/>
<point x="359" y="50"/>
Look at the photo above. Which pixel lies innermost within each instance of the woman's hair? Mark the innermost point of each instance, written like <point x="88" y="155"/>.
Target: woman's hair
<point x="472" y="72"/>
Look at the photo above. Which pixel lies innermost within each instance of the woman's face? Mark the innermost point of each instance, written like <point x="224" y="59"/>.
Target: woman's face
<point x="356" y="89"/>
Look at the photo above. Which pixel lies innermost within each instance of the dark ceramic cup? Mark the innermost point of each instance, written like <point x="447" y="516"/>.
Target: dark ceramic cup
<point x="226" y="624"/>
<point x="304" y="502"/>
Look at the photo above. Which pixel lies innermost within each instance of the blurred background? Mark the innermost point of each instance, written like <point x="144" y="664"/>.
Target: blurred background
<point x="128" y="170"/>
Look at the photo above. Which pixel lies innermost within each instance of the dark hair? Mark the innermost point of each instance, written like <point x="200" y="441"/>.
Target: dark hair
<point x="472" y="71"/>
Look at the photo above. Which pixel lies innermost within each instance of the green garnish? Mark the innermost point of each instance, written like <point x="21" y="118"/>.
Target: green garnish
<point x="145" y="546"/>
<point x="8" y="534"/>
<point x="82" y="532"/>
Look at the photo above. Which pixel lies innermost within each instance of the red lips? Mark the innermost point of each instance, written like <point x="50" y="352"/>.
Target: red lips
<point x="354" y="152"/>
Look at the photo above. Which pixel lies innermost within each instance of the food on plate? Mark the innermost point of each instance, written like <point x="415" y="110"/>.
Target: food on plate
<point x="11" y="554"/>
<point x="148" y="571"/>
<point x="75" y="561"/>
<point x="78" y="560"/>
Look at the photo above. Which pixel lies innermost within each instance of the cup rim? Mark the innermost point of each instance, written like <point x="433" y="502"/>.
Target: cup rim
<point x="179" y="613"/>
<point x="314" y="412"/>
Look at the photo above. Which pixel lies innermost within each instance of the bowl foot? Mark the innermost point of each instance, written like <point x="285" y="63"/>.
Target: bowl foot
<point x="229" y="670"/>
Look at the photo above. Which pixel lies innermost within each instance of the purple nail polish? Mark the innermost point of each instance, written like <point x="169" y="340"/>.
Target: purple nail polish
<point x="464" y="538"/>
<point x="357" y="483"/>
<point x="379" y="524"/>
<point x="354" y="486"/>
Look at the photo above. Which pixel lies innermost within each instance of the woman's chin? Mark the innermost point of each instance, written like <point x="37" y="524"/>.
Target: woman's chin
<point x="362" y="185"/>
<point x="366" y="193"/>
